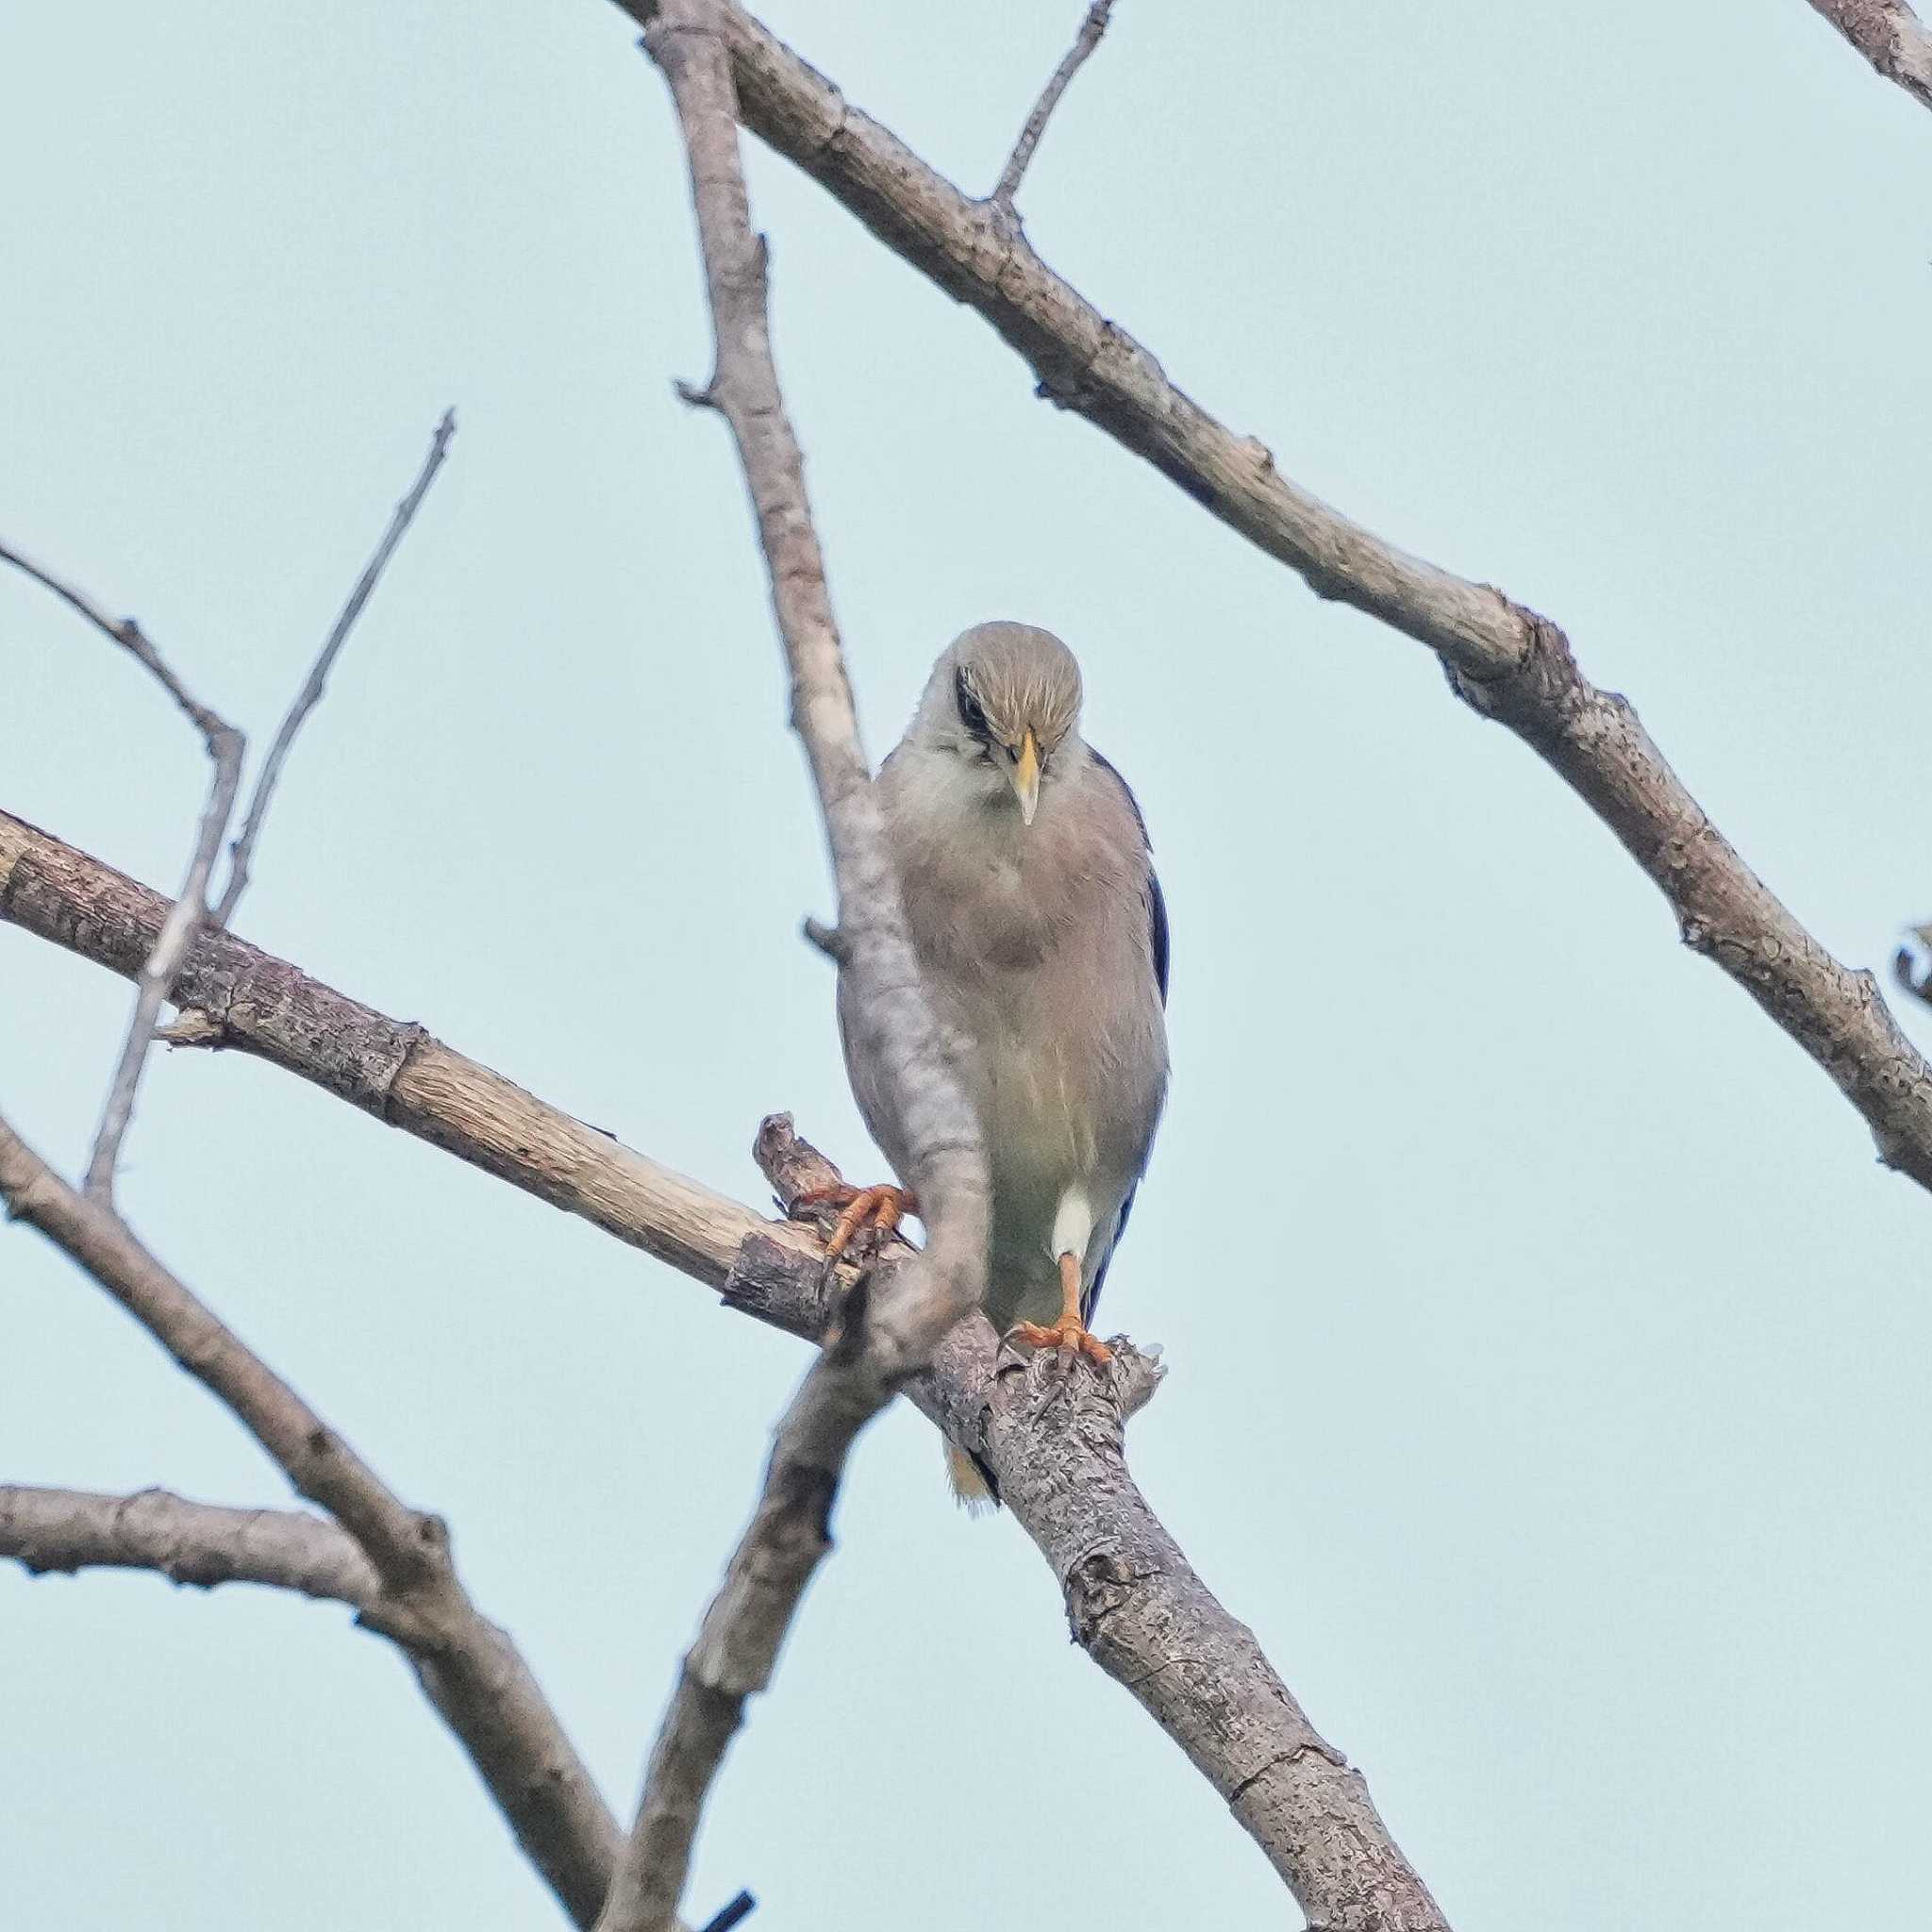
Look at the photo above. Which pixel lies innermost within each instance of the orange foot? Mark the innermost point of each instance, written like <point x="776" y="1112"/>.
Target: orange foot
<point x="1070" y="1336"/>
<point x="877" y="1210"/>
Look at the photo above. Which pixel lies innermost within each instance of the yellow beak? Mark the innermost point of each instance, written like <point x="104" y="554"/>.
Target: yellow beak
<point x="1025" y="777"/>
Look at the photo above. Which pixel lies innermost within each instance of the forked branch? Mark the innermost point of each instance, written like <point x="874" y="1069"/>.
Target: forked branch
<point x="1145" y="1616"/>
<point x="404" y="1585"/>
<point x="190" y="911"/>
<point x="1503" y="661"/>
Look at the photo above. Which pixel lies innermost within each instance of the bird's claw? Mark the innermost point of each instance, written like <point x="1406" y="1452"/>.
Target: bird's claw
<point x="872" y="1214"/>
<point x="1069" y="1337"/>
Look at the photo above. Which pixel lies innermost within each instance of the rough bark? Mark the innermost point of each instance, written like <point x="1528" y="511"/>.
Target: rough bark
<point x="1891" y="36"/>
<point x="1055" y="1443"/>
<point x="1508" y="663"/>
<point x="1060" y="1472"/>
<point x="394" y="1069"/>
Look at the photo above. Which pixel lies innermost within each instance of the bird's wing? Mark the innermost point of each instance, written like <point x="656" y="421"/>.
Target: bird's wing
<point x="1158" y="945"/>
<point x="1157" y="899"/>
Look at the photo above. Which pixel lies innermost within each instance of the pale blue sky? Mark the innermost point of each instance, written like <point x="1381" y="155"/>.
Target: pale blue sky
<point x="1548" y="1351"/>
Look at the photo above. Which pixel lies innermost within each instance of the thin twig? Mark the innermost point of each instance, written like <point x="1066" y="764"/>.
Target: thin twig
<point x="882" y="1346"/>
<point x="225" y="746"/>
<point x="469" y="1669"/>
<point x="157" y="981"/>
<point x="311" y="694"/>
<point x="1083" y="43"/>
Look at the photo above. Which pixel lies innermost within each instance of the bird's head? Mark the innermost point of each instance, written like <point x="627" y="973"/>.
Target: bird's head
<point x="1005" y="700"/>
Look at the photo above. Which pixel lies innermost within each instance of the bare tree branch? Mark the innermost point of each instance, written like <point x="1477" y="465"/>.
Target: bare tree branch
<point x="1891" y="36"/>
<point x="156" y="981"/>
<point x="1141" y="1611"/>
<point x="469" y="1669"/>
<point x="201" y="1544"/>
<point x="317" y="681"/>
<point x="1056" y="1450"/>
<point x="393" y="1069"/>
<point x="1083" y="43"/>
<point x="1503" y="661"/>
<point x="883" y="1342"/>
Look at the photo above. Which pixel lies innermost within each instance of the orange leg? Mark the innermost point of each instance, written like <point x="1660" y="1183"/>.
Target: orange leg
<point x="877" y="1210"/>
<point x="1069" y="1335"/>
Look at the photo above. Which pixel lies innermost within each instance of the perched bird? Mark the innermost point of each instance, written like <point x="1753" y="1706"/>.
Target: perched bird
<point x="1030" y="894"/>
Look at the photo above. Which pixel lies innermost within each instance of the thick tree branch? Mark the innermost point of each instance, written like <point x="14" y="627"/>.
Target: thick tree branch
<point x="190" y="911"/>
<point x="1890" y="35"/>
<point x="1505" y="662"/>
<point x="1083" y="43"/>
<point x="317" y="681"/>
<point x="248" y="1000"/>
<point x="469" y="1669"/>
<point x="884" y="1341"/>
<point x="1163" y="1636"/>
<point x="1055" y="1446"/>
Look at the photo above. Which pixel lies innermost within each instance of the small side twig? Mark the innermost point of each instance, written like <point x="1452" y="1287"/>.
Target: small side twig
<point x="1083" y="43"/>
<point x="311" y="694"/>
<point x="189" y="912"/>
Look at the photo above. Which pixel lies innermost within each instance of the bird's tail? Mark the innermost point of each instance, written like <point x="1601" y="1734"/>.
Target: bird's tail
<point x="973" y="1488"/>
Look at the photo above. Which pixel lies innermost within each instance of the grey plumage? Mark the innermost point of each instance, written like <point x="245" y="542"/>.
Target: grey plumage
<point x="1030" y="894"/>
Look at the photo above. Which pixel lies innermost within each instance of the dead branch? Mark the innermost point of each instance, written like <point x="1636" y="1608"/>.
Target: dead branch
<point x="1058" y="1466"/>
<point x="468" y="1668"/>
<point x="1504" y="662"/>
<point x="737" y="1648"/>
<point x="1134" y="1604"/>
<point x="317" y="681"/>
<point x="1891" y="36"/>
<point x="198" y="1544"/>
<point x="1091" y="28"/>
<point x="156" y="983"/>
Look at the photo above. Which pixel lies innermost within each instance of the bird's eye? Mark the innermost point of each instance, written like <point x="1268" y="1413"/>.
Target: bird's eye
<point x="972" y="715"/>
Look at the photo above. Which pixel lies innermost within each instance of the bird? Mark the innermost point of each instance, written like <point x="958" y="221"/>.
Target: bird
<point x="1037" y="921"/>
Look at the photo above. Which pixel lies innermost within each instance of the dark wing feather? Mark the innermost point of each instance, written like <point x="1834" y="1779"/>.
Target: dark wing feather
<point x="1158" y="945"/>
<point x="1156" y="899"/>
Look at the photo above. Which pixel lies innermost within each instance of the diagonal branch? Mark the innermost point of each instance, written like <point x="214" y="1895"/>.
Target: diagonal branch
<point x="1148" y="1620"/>
<point x="468" y="1668"/>
<point x="156" y="981"/>
<point x="1083" y="43"/>
<point x="1505" y="662"/>
<point x="317" y="681"/>
<point x="1891" y="36"/>
<point x="884" y="1341"/>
